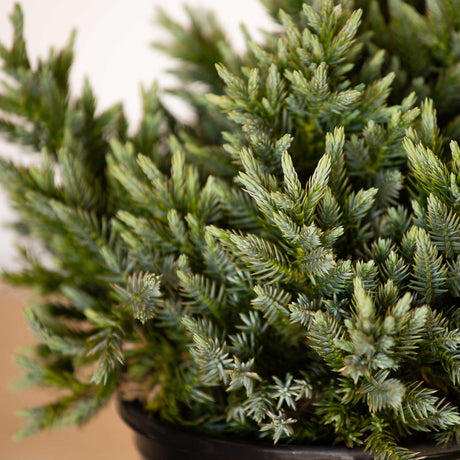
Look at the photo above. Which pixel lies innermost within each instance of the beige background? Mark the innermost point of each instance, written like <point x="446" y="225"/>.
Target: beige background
<point x="112" y="49"/>
<point x="106" y="437"/>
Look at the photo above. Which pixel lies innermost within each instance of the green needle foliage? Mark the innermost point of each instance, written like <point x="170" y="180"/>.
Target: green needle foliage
<point x="287" y="264"/>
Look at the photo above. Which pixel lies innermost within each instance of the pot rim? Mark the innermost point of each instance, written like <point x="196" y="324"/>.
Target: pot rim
<point x="133" y="414"/>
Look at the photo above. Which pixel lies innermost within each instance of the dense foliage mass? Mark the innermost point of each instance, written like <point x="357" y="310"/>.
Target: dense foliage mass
<point x="287" y="265"/>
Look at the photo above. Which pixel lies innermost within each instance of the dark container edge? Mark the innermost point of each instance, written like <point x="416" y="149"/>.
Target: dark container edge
<point x="153" y="435"/>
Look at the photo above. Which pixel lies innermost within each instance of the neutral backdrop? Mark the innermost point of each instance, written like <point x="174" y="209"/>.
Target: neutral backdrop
<point x="112" y="48"/>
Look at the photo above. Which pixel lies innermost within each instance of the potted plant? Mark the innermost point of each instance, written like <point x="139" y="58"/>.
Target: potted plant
<point x="286" y="266"/>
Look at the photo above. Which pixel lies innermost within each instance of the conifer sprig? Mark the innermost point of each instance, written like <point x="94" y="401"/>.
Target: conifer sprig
<point x="287" y="265"/>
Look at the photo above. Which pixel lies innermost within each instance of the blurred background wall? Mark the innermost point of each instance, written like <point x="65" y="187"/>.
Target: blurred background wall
<point x="112" y="49"/>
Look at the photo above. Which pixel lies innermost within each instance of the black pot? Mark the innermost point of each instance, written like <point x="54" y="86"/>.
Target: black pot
<point x="162" y="441"/>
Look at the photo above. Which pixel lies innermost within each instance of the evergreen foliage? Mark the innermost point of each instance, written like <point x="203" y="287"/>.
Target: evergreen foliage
<point x="286" y="265"/>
